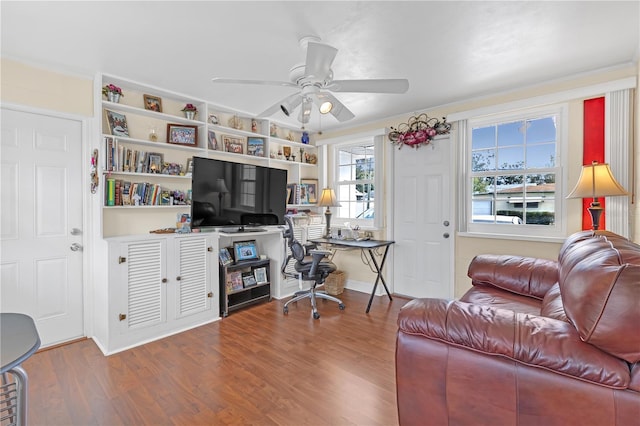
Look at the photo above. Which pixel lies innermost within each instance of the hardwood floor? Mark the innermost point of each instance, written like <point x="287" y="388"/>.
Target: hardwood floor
<point x="257" y="366"/>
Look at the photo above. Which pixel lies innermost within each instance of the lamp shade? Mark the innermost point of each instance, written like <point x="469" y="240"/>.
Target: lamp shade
<point x="220" y="186"/>
<point x="596" y="180"/>
<point x="328" y="198"/>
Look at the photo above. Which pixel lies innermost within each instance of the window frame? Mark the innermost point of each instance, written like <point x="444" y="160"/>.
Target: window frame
<point x="377" y="180"/>
<point x="558" y="229"/>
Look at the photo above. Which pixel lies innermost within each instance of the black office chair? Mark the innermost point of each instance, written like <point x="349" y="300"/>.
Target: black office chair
<point x="309" y="266"/>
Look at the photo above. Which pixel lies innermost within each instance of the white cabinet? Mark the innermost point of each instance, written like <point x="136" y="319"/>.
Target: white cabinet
<point x="158" y="286"/>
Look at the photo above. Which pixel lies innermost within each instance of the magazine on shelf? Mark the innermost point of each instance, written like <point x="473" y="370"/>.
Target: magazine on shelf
<point x="248" y="279"/>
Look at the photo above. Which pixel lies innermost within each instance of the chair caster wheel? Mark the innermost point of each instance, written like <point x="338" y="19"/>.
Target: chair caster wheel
<point x="285" y="310"/>
<point x="316" y="315"/>
<point x="341" y="306"/>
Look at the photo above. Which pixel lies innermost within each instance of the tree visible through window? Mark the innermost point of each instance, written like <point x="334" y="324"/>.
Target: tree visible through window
<point x="355" y="183"/>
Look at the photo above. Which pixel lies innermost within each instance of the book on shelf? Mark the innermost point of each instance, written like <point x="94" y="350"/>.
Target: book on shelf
<point x="110" y="193"/>
<point x="293" y="192"/>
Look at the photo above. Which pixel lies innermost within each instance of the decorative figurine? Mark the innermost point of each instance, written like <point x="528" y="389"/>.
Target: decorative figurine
<point x="273" y="130"/>
<point x="305" y="137"/>
<point x="254" y="125"/>
<point x="290" y="137"/>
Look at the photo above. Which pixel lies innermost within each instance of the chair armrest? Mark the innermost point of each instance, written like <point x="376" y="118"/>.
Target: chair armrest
<point x="527" y="276"/>
<point x="531" y="340"/>
<point x="316" y="258"/>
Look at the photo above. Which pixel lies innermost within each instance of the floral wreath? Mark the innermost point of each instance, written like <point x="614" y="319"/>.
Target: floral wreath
<point x="419" y="130"/>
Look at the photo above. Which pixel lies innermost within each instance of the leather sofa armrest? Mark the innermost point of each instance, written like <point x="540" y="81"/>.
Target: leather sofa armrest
<point x="526" y="276"/>
<point x="531" y="340"/>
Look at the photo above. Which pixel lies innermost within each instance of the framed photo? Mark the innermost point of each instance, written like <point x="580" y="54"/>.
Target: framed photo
<point x="255" y="146"/>
<point x="245" y="250"/>
<point x="233" y="144"/>
<point x="117" y="123"/>
<point x="261" y="275"/>
<point x="234" y="281"/>
<point x="225" y="256"/>
<point x="152" y="103"/>
<point x="154" y="163"/>
<point x="248" y="279"/>
<point x="189" y="169"/>
<point x="182" y="134"/>
<point x="212" y="142"/>
<point x="311" y="191"/>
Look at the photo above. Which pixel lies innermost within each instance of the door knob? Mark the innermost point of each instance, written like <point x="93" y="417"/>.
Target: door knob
<point x="76" y="247"/>
<point x="445" y="223"/>
<point x="446" y="235"/>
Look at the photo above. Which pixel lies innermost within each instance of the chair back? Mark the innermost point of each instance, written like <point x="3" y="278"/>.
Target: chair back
<point x="297" y="249"/>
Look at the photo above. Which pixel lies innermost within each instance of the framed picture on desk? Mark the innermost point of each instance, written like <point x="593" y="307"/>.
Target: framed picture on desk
<point x="245" y="250"/>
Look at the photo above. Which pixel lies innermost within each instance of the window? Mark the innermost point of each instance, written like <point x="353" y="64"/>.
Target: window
<point x="356" y="180"/>
<point x="514" y="173"/>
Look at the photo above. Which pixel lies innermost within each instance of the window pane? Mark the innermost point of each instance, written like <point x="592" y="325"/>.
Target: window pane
<point x="541" y="156"/>
<point x="541" y="130"/>
<point x="511" y="158"/>
<point x="511" y="133"/>
<point x="346" y="172"/>
<point x="484" y="160"/>
<point x="483" y="137"/>
<point x="482" y="185"/>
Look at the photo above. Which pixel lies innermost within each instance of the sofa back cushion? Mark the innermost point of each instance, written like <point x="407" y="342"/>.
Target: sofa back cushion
<point x="599" y="281"/>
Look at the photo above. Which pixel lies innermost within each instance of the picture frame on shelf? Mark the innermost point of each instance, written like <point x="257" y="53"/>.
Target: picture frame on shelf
<point x="233" y="144"/>
<point x="212" y="141"/>
<point x="311" y="191"/>
<point x="248" y="279"/>
<point x="260" y="275"/>
<point x="152" y="103"/>
<point x="155" y="163"/>
<point x="245" y="250"/>
<point x="182" y="134"/>
<point x="255" y="146"/>
<point x="189" y="168"/>
<point x="225" y="256"/>
<point x="234" y="281"/>
<point x="117" y="123"/>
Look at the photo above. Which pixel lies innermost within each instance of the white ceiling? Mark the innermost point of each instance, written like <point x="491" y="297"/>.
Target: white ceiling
<point x="449" y="51"/>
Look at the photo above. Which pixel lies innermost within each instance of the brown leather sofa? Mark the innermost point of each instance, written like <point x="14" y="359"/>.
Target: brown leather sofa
<point x="533" y="342"/>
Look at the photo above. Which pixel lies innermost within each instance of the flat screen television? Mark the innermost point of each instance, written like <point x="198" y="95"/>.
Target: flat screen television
<point x="228" y="194"/>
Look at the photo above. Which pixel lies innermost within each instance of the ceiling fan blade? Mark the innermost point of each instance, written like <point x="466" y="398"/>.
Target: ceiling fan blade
<point x="289" y="103"/>
<point x="319" y="59"/>
<point x="391" y="85"/>
<point x="263" y="82"/>
<point x="338" y="110"/>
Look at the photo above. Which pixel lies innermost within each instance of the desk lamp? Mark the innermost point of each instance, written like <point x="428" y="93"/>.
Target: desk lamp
<point x="328" y="199"/>
<point x="596" y="180"/>
<point x="221" y="188"/>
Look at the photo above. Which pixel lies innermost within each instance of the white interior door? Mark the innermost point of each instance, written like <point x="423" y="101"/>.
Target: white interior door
<point x="41" y="223"/>
<point x="423" y="229"/>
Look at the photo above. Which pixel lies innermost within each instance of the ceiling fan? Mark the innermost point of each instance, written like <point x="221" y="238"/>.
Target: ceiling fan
<point x="315" y="84"/>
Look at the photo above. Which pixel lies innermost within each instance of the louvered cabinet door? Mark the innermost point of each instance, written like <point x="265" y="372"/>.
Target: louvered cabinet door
<point x="146" y="285"/>
<point x="192" y="284"/>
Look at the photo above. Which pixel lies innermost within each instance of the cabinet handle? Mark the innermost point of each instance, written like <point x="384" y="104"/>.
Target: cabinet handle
<point x="122" y="259"/>
<point x="122" y="317"/>
<point x="209" y="248"/>
<point x="164" y="280"/>
<point x="178" y="278"/>
<point x="210" y="294"/>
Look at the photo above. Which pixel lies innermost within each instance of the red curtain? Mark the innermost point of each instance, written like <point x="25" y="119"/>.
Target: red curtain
<point x="593" y="149"/>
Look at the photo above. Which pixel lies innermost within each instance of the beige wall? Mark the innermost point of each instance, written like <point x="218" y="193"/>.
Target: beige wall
<point x="44" y="89"/>
<point x="468" y="247"/>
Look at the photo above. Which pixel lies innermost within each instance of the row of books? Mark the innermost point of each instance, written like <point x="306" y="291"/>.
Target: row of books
<point x="120" y="158"/>
<point x="123" y="193"/>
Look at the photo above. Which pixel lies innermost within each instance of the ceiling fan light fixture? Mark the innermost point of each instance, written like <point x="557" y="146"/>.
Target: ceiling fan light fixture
<point x="326" y="107"/>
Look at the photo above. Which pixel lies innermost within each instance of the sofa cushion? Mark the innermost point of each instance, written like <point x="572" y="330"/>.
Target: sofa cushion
<point x="552" y="304"/>
<point x="600" y="286"/>
<point x="491" y="296"/>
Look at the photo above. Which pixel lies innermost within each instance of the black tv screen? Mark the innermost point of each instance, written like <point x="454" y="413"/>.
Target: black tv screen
<point x="225" y="193"/>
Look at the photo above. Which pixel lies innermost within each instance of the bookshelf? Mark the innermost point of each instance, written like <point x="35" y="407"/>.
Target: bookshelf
<point x="237" y="290"/>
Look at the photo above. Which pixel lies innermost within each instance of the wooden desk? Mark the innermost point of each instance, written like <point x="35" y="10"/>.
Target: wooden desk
<point x="18" y="341"/>
<point x="365" y="246"/>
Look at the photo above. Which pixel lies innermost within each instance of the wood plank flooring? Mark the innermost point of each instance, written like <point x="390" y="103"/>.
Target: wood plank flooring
<point x="257" y="366"/>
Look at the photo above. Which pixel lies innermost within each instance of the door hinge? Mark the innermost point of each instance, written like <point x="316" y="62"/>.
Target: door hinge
<point x="210" y="294"/>
<point x="122" y="317"/>
<point x="122" y="259"/>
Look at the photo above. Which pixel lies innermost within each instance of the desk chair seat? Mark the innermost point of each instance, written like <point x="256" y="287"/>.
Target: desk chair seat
<point x="310" y="265"/>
